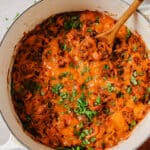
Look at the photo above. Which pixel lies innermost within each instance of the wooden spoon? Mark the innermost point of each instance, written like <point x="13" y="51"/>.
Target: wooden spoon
<point x="109" y="36"/>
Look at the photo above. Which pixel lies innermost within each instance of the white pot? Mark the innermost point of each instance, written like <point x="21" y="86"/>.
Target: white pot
<point x="27" y="22"/>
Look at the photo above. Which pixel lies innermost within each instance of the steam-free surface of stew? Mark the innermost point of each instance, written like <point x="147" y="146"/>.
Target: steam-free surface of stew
<point x="70" y="93"/>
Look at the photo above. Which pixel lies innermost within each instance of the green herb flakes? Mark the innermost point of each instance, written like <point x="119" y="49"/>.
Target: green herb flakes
<point x="73" y="23"/>
<point x="130" y="58"/>
<point x="56" y="88"/>
<point x="88" y="79"/>
<point x="42" y="93"/>
<point x="64" y="74"/>
<point x="135" y="48"/>
<point x="89" y="30"/>
<point x="98" y="100"/>
<point x="133" y="80"/>
<point x="129" y="89"/>
<point x="64" y="95"/>
<point x="28" y="117"/>
<point x="82" y="108"/>
<point x="85" y="142"/>
<point x="106" y="67"/>
<point x="74" y="93"/>
<point x="110" y="87"/>
<point x="93" y="139"/>
<point x="128" y="33"/>
<point x="17" y="15"/>
<point x="97" y="19"/>
<point x="132" y="124"/>
<point x="64" y="47"/>
<point x="134" y="98"/>
<point x="135" y="74"/>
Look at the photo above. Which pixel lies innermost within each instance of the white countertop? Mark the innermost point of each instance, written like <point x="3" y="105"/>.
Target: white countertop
<point x="9" y="11"/>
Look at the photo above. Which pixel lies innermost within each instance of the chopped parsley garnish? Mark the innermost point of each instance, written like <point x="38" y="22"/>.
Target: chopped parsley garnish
<point x="110" y="87"/>
<point x="42" y="93"/>
<point x="97" y="19"/>
<point x="134" y="98"/>
<point x="135" y="48"/>
<point x="129" y="89"/>
<point x="88" y="79"/>
<point x="71" y="148"/>
<point x="135" y="74"/>
<point x="106" y="67"/>
<point x="49" y="52"/>
<point x="28" y="117"/>
<point x="130" y="58"/>
<point x="98" y="100"/>
<point x="64" y="95"/>
<point x="90" y="114"/>
<point x="133" y="80"/>
<point x="84" y="133"/>
<point x="85" y="142"/>
<point x="83" y="86"/>
<point x="69" y="49"/>
<point x="56" y="88"/>
<point x="64" y="74"/>
<point x="93" y="139"/>
<point x="82" y="101"/>
<point x="132" y="124"/>
<point x="74" y="93"/>
<point x="89" y="30"/>
<point x="63" y="46"/>
<point x="82" y="107"/>
<point x="128" y="33"/>
<point x="67" y="107"/>
<point x="17" y="15"/>
<point x="80" y="125"/>
<point x="104" y="78"/>
<point x="73" y="23"/>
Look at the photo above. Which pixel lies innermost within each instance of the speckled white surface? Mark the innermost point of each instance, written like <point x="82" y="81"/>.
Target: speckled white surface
<point x="9" y="11"/>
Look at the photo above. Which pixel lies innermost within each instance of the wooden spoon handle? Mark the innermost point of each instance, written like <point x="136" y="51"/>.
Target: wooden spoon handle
<point x="126" y="15"/>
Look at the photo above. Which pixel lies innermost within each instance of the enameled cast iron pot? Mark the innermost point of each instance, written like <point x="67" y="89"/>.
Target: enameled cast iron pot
<point x="26" y="22"/>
